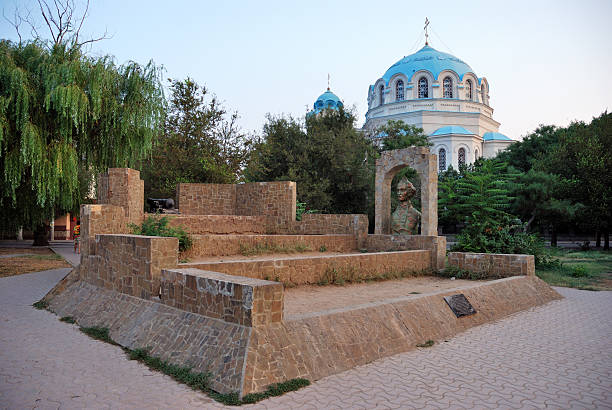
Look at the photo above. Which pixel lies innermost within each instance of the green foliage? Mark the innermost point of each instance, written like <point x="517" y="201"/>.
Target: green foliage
<point x="400" y="135"/>
<point x="533" y="149"/>
<point x="200" y="143"/>
<point x="458" y="273"/>
<point x="98" y="333"/>
<point x="342" y="275"/>
<point x="503" y="236"/>
<point x="267" y="247"/>
<point x="160" y="226"/>
<point x="276" y="389"/>
<point x="332" y="163"/>
<point x="301" y="208"/>
<point x="590" y="270"/>
<point x="428" y="343"/>
<point x="68" y="319"/>
<point x="41" y="304"/>
<point x="64" y="115"/>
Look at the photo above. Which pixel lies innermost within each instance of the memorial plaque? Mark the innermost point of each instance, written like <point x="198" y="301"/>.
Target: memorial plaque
<point x="459" y="305"/>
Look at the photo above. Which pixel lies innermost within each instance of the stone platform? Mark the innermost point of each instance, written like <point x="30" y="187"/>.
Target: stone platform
<point x="312" y="345"/>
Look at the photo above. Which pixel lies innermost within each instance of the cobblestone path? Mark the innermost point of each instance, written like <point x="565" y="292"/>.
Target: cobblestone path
<point x="555" y="356"/>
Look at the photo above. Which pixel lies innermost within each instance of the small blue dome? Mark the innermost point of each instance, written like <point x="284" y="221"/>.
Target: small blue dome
<point x="327" y="100"/>
<point x="452" y="129"/>
<point x="428" y="59"/>
<point x="495" y="136"/>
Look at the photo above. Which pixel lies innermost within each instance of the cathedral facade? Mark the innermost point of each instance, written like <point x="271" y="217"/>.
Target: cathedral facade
<point x="442" y="95"/>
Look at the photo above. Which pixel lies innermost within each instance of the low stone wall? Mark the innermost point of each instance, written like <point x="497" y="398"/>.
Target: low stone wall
<point x="495" y="264"/>
<point x="222" y="245"/>
<point x="100" y="219"/>
<point x="314" y="269"/>
<point x="221" y="224"/>
<point x="389" y="243"/>
<point x="129" y="264"/>
<point x="206" y="199"/>
<point x="233" y="299"/>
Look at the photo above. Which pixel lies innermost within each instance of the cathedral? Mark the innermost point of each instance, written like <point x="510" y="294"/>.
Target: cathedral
<point x="439" y="93"/>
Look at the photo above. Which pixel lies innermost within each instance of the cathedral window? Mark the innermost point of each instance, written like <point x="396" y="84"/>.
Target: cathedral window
<point x="442" y="159"/>
<point x="484" y="94"/>
<point x="399" y="91"/>
<point x="469" y="90"/>
<point x="476" y="154"/>
<point x="448" y="87"/>
<point x="381" y="95"/>
<point x="461" y="157"/>
<point x="423" y="88"/>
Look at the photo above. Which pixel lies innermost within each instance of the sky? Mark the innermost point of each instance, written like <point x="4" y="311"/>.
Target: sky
<point x="547" y="62"/>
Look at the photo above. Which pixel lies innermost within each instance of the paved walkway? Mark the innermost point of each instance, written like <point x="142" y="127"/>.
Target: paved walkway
<point x="555" y="356"/>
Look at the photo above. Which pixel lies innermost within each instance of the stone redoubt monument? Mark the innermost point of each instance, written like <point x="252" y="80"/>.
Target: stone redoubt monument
<point x="242" y="315"/>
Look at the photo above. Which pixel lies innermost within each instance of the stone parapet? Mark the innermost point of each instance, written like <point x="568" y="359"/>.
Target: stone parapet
<point x="123" y="187"/>
<point x="100" y="219"/>
<point x="495" y="264"/>
<point x="389" y="243"/>
<point x="221" y="224"/>
<point x="296" y="270"/>
<point x="231" y="244"/>
<point x="233" y="299"/>
<point x="129" y="264"/>
<point x="206" y="199"/>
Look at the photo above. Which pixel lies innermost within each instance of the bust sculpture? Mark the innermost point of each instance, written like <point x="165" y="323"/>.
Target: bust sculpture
<point x="405" y="219"/>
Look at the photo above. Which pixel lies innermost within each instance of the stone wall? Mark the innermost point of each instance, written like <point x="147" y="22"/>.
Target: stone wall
<point x="100" y="219"/>
<point x="206" y="199"/>
<point x="233" y="299"/>
<point x="495" y="264"/>
<point x="387" y="243"/>
<point x="123" y="187"/>
<point x="221" y="224"/>
<point x="222" y="245"/>
<point x="277" y="199"/>
<point x="129" y="264"/>
<point x="304" y="270"/>
<point x="267" y="198"/>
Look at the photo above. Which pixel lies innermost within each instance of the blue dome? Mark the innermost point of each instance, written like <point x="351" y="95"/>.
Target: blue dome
<point x="495" y="136"/>
<point x="452" y="129"/>
<point x="428" y="59"/>
<point x="327" y="100"/>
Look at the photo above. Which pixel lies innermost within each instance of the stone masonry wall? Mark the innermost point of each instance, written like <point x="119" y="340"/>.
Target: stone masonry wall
<point x="387" y="243"/>
<point x="206" y="199"/>
<point x="233" y="299"/>
<point x="221" y="245"/>
<point x="267" y="198"/>
<point x="221" y="224"/>
<point x="99" y="219"/>
<point x="495" y="264"/>
<point x="123" y="187"/>
<point x="314" y="269"/>
<point x="129" y="264"/>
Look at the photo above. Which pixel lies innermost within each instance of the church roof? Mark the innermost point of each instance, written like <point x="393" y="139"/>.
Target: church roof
<point x="452" y="129"/>
<point x="495" y="136"/>
<point x="326" y="100"/>
<point x="430" y="59"/>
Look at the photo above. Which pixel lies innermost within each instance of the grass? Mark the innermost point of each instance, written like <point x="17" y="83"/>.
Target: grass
<point x="343" y="275"/>
<point x="67" y="319"/>
<point x="428" y="343"/>
<point x="31" y="263"/>
<point x="41" y="304"/>
<point x="267" y="247"/>
<point x="458" y="273"/>
<point x="196" y="380"/>
<point x="588" y="270"/>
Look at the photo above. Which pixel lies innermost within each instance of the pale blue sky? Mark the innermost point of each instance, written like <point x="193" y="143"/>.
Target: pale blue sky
<point x="547" y="62"/>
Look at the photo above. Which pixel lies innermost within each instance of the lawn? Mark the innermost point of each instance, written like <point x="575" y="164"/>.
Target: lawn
<point x="33" y="260"/>
<point x="590" y="270"/>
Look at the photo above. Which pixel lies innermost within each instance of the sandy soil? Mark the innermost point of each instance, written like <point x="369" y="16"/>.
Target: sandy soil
<point x="33" y="263"/>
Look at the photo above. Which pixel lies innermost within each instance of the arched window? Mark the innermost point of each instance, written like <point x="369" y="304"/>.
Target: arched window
<point x="448" y="87"/>
<point x="461" y="157"/>
<point x="442" y="159"/>
<point x="381" y="95"/>
<point x="483" y="91"/>
<point x="399" y="91"/>
<point x="470" y="88"/>
<point x="423" y="88"/>
<point x="475" y="154"/>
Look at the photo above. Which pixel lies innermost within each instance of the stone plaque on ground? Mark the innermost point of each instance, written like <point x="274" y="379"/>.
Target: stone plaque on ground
<point x="459" y="305"/>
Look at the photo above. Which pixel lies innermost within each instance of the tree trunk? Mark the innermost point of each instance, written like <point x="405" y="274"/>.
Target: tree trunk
<point x="41" y="236"/>
<point x="606" y="236"/>
<point x="553" y="236"/>
<point x="598" y="239"/>
<point x="526" y="229"/>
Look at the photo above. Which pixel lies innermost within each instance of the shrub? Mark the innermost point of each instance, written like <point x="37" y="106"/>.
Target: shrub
<point x="505" y="236"/>
<point x="156" y="226"/>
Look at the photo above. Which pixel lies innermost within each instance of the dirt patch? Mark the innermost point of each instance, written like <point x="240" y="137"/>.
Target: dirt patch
<point x="28" y="250"/>
<point x="32" y="263"/>
<point x="307" y="299"/>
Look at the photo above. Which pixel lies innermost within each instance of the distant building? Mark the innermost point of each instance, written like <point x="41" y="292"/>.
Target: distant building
<point x="326" y="100"/>
<point x="443" y="95"/>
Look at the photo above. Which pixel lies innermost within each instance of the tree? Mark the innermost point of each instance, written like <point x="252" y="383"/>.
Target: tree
<point x="199" y="143"/>
<point x="534" y="148"/>
<point x="331" y="162"/>
<point x="62" y="113"/>
<point x="398" y="135"/>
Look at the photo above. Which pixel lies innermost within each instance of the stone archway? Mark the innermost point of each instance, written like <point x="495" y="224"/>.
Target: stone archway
<point x="425" y="164"/>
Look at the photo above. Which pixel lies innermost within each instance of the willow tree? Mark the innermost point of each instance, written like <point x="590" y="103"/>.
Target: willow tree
<point x="63" y="115"/>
